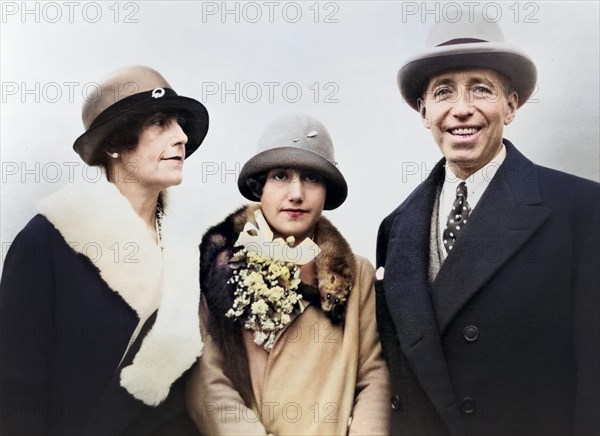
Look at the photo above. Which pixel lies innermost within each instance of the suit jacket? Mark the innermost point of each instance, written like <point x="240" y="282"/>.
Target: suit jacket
<point x="505" y="340"/>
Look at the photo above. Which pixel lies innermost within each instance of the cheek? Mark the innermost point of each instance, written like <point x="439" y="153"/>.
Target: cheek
<point x="317" y="197"/>
<point x="268" y="199"/>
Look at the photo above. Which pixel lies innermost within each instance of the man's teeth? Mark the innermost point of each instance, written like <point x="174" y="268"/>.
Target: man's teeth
<point x="469" y="131"/>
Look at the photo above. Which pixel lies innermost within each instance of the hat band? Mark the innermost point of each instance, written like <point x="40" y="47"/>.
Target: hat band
<point x="128" y="102"/>
<point x="461" y="41"/>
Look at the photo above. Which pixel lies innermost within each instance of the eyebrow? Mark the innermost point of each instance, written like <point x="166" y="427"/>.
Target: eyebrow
<point x="472" y="81"/>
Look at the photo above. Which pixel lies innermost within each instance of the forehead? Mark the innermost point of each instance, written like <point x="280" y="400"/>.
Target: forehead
<point x="466" y="76"/>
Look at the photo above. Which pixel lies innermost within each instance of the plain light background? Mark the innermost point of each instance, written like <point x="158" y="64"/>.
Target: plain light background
<point x="250" y="62"/>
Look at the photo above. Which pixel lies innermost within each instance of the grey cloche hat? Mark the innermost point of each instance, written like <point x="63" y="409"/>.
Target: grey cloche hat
<point x="298" y="141"/>
<point x="470" y="42"/>
<point x="128" y="93"/>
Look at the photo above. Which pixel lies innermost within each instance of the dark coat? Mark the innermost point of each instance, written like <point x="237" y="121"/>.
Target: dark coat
<point x="65" y="326"/>
<point x="506" y="339"/>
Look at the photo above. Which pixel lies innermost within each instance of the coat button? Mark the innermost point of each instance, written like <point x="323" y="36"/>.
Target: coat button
<point x="471" y="333"/>
<point x="468" y="405"/>
<point x="396" y="402"/>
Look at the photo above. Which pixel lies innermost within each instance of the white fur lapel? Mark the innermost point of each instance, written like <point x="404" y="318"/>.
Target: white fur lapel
<point x="98" y="222"/>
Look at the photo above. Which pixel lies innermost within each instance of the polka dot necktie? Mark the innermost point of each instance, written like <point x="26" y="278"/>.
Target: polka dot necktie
<point x="457" y="217"/>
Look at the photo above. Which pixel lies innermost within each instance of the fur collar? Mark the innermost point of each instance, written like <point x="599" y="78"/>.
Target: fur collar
<point x="96" y="220"/>
<point x="335" y="273"/>
<point x="335" y="266"/>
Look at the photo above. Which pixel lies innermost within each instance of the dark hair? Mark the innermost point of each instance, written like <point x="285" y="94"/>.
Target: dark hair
<point x="127" y="135"/>
<point x="256" y="183"/>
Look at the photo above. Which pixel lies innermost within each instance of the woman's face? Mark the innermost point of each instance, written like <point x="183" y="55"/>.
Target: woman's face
<point x="157" y="160"/>
<point x="292" y="201"/>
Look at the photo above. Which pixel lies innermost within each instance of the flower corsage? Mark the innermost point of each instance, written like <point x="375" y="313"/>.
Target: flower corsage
<point x="266" y="277"/>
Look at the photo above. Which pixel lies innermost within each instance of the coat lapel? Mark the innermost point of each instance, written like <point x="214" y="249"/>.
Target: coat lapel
<point x="408" y="297"/>
<point x="507" y="215"/>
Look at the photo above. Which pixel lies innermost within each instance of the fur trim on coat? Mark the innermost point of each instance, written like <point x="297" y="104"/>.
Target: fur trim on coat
<point x="96" y="220"/>
<point x="335" y="271"/>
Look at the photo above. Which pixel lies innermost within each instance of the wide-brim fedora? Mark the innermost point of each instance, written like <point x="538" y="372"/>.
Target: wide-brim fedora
<point x="125" y="96"/>
<point x="296" y="141"/>
<point x="468" y="43"/>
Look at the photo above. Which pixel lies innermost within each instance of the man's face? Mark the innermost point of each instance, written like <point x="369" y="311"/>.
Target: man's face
<point x="466" y="112"/>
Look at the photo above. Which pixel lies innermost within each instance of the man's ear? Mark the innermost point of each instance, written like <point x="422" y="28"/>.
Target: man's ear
<point x="512" y="102"/>
<point x="423" y="112"/>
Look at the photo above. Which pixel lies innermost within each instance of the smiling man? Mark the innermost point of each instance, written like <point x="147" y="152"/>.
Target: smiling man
<point x="488" y="297"/>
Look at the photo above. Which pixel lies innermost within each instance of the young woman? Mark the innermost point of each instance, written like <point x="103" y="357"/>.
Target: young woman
<point x="98" y="307"/>
<point x="289" y="311"/>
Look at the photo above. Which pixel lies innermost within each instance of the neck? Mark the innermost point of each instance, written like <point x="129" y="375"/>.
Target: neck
<point x="464" y="173"/>
<point x="143" y="201"/>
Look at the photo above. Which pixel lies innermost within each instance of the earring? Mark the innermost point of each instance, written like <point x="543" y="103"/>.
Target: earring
<point x="113" y="155"/>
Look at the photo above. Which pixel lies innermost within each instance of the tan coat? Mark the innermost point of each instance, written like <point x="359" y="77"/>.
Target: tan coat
<point x="319" y="379"/>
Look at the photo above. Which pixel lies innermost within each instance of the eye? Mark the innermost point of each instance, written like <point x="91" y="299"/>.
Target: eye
<point x="311" y="177"/>
<point x="159" y="120"/>
<point x="279" y="175"/>
<point x="442" y="93"/>
<point x="482" y="90"/>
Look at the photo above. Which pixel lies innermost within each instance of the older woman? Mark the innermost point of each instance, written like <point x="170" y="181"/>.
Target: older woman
<point x="98" y="312"/>
<point x="292" y="344"/>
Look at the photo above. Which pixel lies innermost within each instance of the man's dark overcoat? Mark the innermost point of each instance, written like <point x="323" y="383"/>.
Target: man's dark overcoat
<point x="505" y="341"/>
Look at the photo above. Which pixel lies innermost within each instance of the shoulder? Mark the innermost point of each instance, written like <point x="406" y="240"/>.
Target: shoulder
<point x="575" y="201"/>
<point x="552" y="184"/>
<point x="223" y="233"/>
<point x="216" y="249"/>
<point x="572" y="200"/>
<point x="32" y="255"/>
<point x="365" y="276"/>
<point x="39" y="231"/>
<point x="427" y="189"/>
<point x="364" y="266"/>
<point x="558" y="183"/>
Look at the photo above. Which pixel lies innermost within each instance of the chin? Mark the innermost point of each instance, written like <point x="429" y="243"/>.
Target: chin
<point x="172" y="182"/>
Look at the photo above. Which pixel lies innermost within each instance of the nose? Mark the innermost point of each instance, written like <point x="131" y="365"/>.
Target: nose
<point x="463" y="107"/>
<point x="177" y="134"/>
<point x="296" y="190"/>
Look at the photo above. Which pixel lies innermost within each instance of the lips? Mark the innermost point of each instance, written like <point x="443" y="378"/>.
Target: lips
<point x="464" y="131"/>
<point x="176" y="158"/>
<point x="295" y="213"/>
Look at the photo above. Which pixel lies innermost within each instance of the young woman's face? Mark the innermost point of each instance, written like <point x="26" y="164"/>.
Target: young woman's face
<point x="292" y="201"/>
<point x="157" y="160"/>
